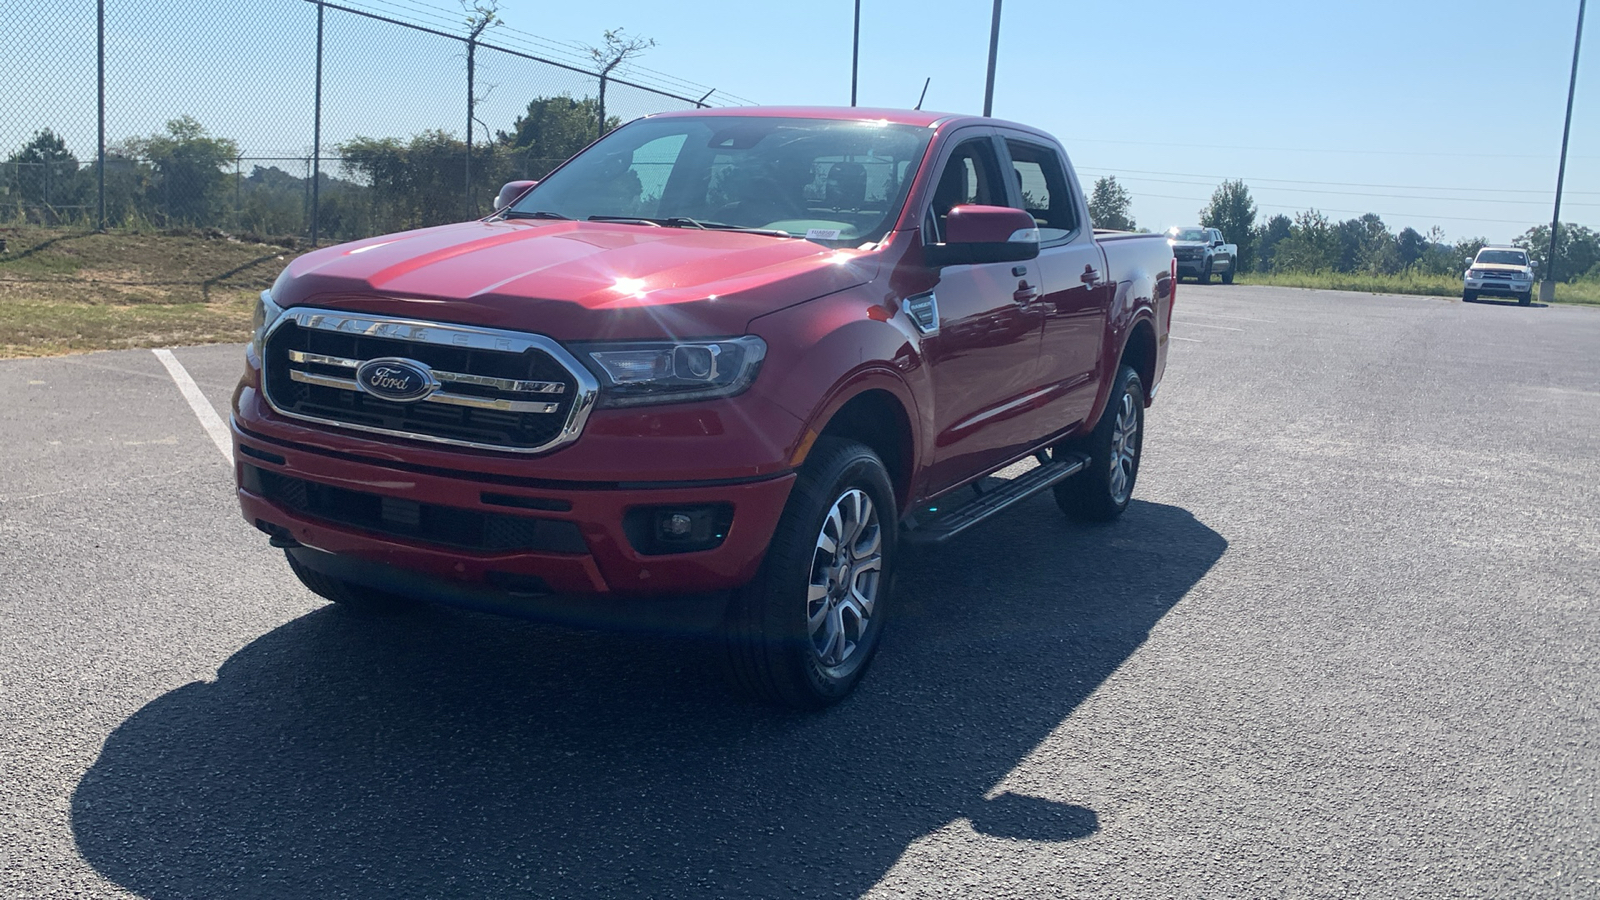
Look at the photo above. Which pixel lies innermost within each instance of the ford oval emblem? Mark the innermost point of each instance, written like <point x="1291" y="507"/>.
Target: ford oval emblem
<point x="399" y="380"/>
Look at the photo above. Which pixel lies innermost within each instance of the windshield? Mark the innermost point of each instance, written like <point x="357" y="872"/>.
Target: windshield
<point x="1502" y="258"/>
<point x="838" y="182"/>
<point x="1186" y="234"/>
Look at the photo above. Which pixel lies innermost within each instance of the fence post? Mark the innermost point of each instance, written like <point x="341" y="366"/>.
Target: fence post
<point x="238" y="176"/>
<point x="472" y="55"/>
<point x="100" y="57"/>
<point x="600" y="129"/>
<point x="316" y="140"/>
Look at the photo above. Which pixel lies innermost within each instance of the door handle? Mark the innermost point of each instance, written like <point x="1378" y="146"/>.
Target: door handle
<point x="1026" y="293"/>
<point x="1089" y="276"/>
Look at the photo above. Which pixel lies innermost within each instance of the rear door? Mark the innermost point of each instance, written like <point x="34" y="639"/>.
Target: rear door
<point x="1076" y="290"/>
<point x="984" y="356"/>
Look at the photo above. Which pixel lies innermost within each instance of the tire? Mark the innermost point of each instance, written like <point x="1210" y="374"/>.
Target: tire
<point x="1227" y="277"/>
<point x="353" y="597"/>
<point x="1205" y="274"/>
<point x="1469" y="296"/>
<point x="1102" y="491"/>
<point x="1525" y="298"/>
<point x="802" y="634"/>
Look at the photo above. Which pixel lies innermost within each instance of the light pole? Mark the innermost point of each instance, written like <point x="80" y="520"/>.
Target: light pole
<point x="1547" y="287"/>
<point x="994" y="50"/>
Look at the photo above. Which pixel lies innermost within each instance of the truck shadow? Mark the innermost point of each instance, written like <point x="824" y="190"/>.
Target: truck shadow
<point x="448" y="754"/>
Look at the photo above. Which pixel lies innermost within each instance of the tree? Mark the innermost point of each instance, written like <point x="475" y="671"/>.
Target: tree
<point x="618" y="49"/>
<point x="188" y="165"/>
<point x="45" y="172"/>
<point x="415" y="183"/>
<point x="1577" y="250"/>
<point x="1267" y="238"/>
<point x="1410" y="246"/>
<point x="1233" y="213"/>
<point x="1365" y="245"/>
<point x="552" y="130"/>
<point x="1110" y="204"/>
<point x="1312" y="245"/>
<point x="1468" y="248"/>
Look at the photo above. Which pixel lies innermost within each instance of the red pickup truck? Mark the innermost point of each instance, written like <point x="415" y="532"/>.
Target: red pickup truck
<point x="712" y="372"/>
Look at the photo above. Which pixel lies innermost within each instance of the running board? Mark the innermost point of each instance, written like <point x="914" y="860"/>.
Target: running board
<point x="992" y="501"/>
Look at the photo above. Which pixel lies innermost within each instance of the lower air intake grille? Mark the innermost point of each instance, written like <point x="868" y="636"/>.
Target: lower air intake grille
<point x="427" y="523"/>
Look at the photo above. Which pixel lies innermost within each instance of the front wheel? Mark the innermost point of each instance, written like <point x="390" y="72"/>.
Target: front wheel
<point x="803" y="632"/>
<point x="1469" y="296"/>
<point x="1205" y="275"/>
<point x="1525" y="298"/>
<point x="1227" y="277"/>
<point x="1102" y="491"/>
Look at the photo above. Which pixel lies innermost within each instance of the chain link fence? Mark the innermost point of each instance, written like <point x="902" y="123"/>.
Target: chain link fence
<point x="285" y="118"/>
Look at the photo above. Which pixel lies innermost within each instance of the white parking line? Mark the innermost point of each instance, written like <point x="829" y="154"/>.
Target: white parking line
<point x="1204" y="315"/>
<point x="1204" y="325"/>
<point x="209" y="420"/>
<point x="1189" y="340"/>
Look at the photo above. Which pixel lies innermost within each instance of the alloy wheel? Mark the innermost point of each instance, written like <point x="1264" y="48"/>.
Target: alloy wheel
<point x="846" y="574"/>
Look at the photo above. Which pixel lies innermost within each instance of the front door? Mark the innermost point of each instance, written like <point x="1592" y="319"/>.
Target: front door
<point x="984" y="355"/>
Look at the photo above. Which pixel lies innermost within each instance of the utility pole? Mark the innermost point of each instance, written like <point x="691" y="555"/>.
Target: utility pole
<point x="855" y="55"/>
<point x="994" y="51"/>
<point x="1547" y="287"/>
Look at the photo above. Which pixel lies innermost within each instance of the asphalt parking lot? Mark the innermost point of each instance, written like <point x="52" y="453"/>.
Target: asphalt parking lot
<point x="1344" y="644"/>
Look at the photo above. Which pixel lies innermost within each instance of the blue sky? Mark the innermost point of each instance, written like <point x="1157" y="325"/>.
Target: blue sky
<point x="1425" y="111"/>
<point x="1438" y="97"/>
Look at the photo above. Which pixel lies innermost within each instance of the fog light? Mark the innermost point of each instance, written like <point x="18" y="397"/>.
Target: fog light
<point x="656" y="530"/>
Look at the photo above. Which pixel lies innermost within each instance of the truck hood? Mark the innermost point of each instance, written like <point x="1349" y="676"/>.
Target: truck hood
<point x="1494" y="267"/>
<point x="574" y="280"/>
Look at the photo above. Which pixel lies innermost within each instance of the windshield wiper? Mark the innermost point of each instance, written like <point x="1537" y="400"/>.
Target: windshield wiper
<point x="686" y="222"/>
<point x="537" y="214"/>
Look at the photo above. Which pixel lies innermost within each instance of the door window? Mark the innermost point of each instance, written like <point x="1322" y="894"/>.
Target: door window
<point x="1042" y="182"/>
<point x="971" y="175"/>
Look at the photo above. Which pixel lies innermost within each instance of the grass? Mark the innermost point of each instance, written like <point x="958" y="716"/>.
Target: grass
<point x="1581" y="292"/>
<point x="68" y="292"/>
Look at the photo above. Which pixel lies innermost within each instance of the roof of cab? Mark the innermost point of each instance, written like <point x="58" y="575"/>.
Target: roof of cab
<point x="918" y="117"/>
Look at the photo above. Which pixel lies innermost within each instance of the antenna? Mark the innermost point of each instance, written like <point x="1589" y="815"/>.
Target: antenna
<point x="924" y="92"/>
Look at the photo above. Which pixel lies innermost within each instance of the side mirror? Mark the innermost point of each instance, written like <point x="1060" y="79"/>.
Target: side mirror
<point x="512" y="191"/>
<point x="1469" y="260"/>
<point x="985" y="234"/>
<point x="1533" y="264"/>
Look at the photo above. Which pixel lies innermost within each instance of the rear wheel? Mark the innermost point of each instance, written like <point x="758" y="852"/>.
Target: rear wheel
<point x="1102" y="491"/>
<point x="804" y="631"/>
<point x="353" y="597"/>
<point x="1227" y="277"/>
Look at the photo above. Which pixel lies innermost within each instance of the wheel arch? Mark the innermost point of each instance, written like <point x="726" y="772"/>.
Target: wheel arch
<point x="876" y="415"/>
<point x="1140" y="351"/>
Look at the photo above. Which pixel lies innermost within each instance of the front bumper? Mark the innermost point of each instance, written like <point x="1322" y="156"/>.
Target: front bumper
<point x="1499" y="286"/>
<point x="1191" y="267"/>
<point x="592" y="555"/>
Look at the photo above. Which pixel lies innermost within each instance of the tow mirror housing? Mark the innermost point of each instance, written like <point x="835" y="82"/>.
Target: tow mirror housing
<point x="985" y="234"/>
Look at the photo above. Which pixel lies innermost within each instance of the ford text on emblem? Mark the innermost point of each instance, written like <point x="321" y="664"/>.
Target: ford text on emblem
<point x="399" y="380"/>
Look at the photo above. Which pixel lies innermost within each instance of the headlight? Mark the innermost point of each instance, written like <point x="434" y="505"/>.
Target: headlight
<point x="266" y="313"/>
<point x="635" y="374"/>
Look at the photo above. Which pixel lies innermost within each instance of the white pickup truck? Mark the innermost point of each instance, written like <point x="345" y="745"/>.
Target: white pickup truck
<point x="1202" y="252"/>
<point x="1499" y="272"/>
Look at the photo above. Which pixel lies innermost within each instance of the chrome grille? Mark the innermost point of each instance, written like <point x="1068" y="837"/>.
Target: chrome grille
<point x="496" y="390"/>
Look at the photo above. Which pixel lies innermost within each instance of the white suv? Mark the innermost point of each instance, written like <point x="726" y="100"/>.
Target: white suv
<point x="1500" y="272"/>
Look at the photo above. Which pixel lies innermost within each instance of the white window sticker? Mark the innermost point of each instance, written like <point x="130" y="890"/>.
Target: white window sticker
<point x="822" y="234"/>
